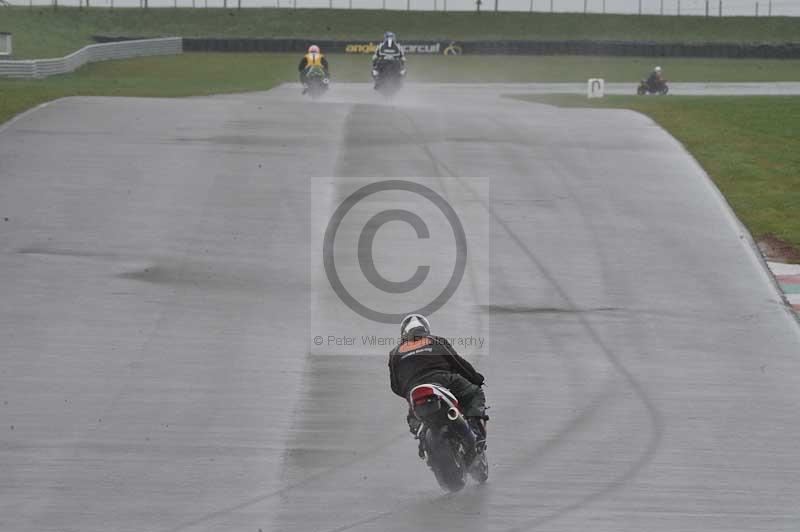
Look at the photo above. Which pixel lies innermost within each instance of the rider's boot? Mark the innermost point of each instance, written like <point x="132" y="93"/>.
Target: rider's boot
<point x="478" y="426"/>
<point x="479" y="467"/>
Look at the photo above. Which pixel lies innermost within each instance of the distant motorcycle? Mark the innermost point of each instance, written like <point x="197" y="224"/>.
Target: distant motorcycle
<point x="388" y="75"/>
<point x="660" y="87"/>
<point x="317" y="82"/>
<point x="446" y="440"/>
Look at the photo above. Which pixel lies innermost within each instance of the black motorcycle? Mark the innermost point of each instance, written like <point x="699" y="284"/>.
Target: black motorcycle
<point x="659" y="87"/>
<point x="388" y="75"/>
<point x="446" y="441"/>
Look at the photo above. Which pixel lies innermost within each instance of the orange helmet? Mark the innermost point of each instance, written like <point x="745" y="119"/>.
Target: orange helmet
<point x="313" y="49"/>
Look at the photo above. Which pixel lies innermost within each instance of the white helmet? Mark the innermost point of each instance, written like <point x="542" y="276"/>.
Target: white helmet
<point x="657" y="69"/>
<point x="414" y="325"/>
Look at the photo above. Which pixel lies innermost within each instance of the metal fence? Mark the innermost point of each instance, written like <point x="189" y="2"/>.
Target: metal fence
<point x="41" y="68"/>
<point x="644" y="7"/>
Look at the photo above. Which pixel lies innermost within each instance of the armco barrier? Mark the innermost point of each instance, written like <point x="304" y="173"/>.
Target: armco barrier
<point x="41" y="68"/>
<point x="618" y="48"/>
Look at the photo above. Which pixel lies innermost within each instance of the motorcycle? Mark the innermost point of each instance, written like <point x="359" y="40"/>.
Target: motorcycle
<point x="446" y="440"/>
<point x="645" y="88"/>
<point x="388" y="75"/>
<point x="317" y="82"/>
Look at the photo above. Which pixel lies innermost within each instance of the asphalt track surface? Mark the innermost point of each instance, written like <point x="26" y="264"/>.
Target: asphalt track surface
<point x="157" y="371"/>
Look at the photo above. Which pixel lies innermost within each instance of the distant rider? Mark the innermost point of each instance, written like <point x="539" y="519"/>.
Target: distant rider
<point x="388" y="50"/>
<point x="655" y="79"/>
<point x="313" y="58"/>
<point x="422" y="358"/>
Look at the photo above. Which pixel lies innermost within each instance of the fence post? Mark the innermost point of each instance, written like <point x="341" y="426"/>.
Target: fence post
<point x="756" y="8"/>
<point x="496" y="4"/>
<point x="640" y="7"/>
<point x="551" y="6"/>
<point x="585" y="6"/>
<point x="679" y="7"/>
<point x="435" y="5"/>
<point x="769" y="9"/>
<point x="604" y="6"/>
<point x="720" y="8"/>
<point x="706" y="8"/>
<point x="661" y="9"/>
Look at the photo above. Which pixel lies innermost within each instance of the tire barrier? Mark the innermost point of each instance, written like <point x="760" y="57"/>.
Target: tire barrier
<point x="614" y="48"/>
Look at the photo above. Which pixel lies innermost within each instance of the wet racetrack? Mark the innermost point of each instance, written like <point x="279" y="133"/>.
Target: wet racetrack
<point x="161" y="286"/>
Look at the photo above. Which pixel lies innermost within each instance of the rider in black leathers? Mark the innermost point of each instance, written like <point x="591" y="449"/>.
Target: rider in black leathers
<point x="423" y="358"/>
<point x="655" y="80"/>
<point x="388" y="50"/>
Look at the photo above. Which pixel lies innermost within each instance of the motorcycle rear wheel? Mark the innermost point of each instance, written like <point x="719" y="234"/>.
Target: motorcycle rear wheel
<point x="447" y="464"/>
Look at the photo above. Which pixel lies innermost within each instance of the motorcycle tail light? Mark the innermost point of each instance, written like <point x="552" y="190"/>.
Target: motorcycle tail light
<point x="421" y="394"/>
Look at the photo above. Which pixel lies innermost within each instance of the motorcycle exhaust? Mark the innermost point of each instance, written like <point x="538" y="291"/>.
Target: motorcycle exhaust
<point x="452" y="414"/>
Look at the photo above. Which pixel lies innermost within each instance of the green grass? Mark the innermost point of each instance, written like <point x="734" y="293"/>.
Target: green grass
<point x="749" y="145"/>
<point x="612" y="69"/>
<point x="198" y="74"/>
<point x="166" y="76"/>
<point x="44" y="32"/>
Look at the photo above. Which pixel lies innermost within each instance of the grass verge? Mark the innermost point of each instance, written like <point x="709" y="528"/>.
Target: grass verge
<point x="749" y="145"/>
<point x="199" y="74"/>
<point x="45" y="32"/>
